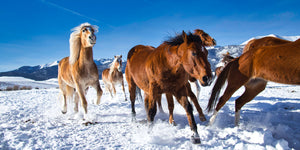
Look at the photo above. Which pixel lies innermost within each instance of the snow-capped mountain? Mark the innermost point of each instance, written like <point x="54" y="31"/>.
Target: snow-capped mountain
<point x="289" y="38"/>
<point x="48" y="71"/>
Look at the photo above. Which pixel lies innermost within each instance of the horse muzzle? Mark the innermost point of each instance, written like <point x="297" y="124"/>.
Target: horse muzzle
<point x="206" y="81"/>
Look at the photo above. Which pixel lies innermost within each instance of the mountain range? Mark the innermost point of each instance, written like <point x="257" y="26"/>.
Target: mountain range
<point x="48" y="71"/>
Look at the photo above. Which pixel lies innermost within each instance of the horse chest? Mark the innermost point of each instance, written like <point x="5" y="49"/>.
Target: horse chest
<point x="171" y="82"/>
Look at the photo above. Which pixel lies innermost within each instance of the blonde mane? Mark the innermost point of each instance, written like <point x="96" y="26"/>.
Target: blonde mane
<point x="75" y="41"/>
<point x="112" y="65"/>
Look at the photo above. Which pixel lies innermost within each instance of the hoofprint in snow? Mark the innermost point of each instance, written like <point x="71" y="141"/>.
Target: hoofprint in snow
<point x="31" y="119"/>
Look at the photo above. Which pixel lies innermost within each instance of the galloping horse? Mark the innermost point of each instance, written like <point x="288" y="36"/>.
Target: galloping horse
<point x="77" y="72"/>
<point x="266" y="59"/>
<point x="113" y="75"/>
<point x="226" y="59"/>
<point x="207" y="40"/>
<point x="166" y="70"/>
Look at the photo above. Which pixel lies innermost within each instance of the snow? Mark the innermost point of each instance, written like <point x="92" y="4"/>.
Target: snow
<point x="289" y="38"/>
<point x="31" y="119"/>
<point x="24" y="82"/>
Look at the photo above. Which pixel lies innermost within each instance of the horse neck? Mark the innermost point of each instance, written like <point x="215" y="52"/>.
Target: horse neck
<point x="86" y="55"/>
<point x="170" y="56"/>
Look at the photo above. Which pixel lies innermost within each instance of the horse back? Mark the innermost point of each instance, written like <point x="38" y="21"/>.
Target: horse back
<point x="266" y="41"/>
<point x="279" y="63"/>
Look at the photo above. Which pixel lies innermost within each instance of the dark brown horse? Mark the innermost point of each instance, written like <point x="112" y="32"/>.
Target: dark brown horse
<point x="259" y="64"/>
<point x="166" y="70"/>
<point x="77" y="72"/>
<point x="113" y="76"/>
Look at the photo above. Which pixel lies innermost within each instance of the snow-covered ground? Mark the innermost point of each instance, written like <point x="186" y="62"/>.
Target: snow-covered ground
<point x="31" y="119"/>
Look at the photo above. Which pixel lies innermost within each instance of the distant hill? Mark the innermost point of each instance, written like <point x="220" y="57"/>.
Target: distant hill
<point x="48" y="71"/>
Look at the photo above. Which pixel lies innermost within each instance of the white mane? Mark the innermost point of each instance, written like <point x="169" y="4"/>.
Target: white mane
<point x="112" y="65"/>
<point x="75" y="42"/>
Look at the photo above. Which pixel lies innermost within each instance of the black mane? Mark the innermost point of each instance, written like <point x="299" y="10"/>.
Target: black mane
<point x="178" y="40"/>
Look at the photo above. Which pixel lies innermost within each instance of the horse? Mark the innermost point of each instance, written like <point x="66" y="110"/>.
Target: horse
<point x="207" y="40"/>
<point x="166" y="70"/>
<point x="79" y="71"/>
<point x="263" y="60"/>
<point x="226" y="59"/>
<point x="113" y="75"/>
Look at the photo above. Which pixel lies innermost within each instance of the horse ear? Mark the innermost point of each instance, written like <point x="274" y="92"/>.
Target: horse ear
<point x="115" y="56"/>
<point x="120" y="56"/>
<point x="184" y="36"/>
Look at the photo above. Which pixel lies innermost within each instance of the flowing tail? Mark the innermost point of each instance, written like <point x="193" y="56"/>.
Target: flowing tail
<point x="218" y="86"/>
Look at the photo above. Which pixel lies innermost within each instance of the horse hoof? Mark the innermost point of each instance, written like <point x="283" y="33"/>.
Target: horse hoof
<point x="202" y="119"/>
<point x="195" y="140"/>
<point x="63" y="112"/>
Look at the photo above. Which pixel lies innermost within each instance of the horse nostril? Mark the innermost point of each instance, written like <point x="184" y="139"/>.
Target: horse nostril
<point x="205" y="79"/>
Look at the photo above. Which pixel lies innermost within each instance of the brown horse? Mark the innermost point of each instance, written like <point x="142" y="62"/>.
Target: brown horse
<point x="166" y="70"/>
<point x="207" y="40"/>
<point x="259" y="64"/>
<point x="113" y="75"/>
<point x="77" y="72"/>
<point x="226" y="59"/>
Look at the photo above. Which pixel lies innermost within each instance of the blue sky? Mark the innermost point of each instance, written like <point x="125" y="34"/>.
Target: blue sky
<point x="37" y="32"/>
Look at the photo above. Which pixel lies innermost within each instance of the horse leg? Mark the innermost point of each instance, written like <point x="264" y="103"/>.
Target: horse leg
<point x="139" y="93"/>
<point x="197" y="88"/>
<point x="153" y="97"/>
<point x="171" y="108"/>
<point x="159" y="105"/>
<point x="123" y="88"/>
<point x="76" y="100"/>
<point x="252" y="88"/>
<point x="235" y="81"/>
<point x="132" y="91"/>
<point x="181" y="97"/>
<point x="96" y="86"/>
<point x="114" y="89"/>
<point x="195" y="101"/>
<point x="80" y="91"/>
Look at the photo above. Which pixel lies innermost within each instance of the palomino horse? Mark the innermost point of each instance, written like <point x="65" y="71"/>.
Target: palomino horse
<point x="166" y="70"/>
<point x="226" y="59"/>
<point x="113" y="75"/>
<point x="77" y="72"/>
<point x="259" y="64"/>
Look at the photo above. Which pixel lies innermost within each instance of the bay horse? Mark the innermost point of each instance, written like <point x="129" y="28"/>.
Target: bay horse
<point x="166" y="70"/>
<point x="225" y="60"/>
<point x="263" y="60"/>
<point x="79" y="71"/>
<point x="113" y="75"/>
<point x="207" y="40"/>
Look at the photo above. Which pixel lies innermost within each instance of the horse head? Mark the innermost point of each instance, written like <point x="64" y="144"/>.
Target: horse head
<point x="193" y="56"/>
<point x="205" y="38"/>
<point x="87" y="35"/>
<point x="118" y="63"/>
<point x="82" y="36"/>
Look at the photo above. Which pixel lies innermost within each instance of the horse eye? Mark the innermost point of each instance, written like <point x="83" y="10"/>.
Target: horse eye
<point x="194" y="53"/>
<point x="83" y="30"/>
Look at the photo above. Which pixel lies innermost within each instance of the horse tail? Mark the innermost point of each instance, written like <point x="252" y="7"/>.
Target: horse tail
<point x="218" y="86"/>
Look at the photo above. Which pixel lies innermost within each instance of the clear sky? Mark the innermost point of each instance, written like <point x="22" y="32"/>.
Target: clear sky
<point x="35" y="32"/>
